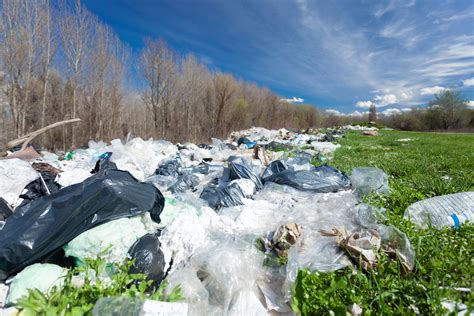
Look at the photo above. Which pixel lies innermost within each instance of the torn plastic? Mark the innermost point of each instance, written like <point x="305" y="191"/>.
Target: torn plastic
<point x="46" y="224"/>
<point x="41" y="276"/>
<point x="368" y="179"/>
<point x="442" y="211"/>
<point x="15" y="174"/>
<point x="148" y="258"/>
<point x="323" y="179"/>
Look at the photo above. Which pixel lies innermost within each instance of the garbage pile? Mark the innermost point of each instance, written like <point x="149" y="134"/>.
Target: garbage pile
<point x="231" y="222"/>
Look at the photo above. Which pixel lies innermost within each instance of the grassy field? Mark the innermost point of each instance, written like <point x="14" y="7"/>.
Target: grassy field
<point x="419" y="165"/>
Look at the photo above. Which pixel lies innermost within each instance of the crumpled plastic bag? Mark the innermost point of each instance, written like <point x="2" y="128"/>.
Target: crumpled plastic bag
<point x="148" y="258"/>
<point x="323" y="179"/>
<point x="46" y="224"/>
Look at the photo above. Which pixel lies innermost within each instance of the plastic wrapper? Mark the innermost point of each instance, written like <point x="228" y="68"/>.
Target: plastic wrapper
<point x="46" y="224"/>
<point x="41" y="276"/>
<point x="15" y="174"/>
<point x="148" y="258"/>
<point x="322" y="179"/>
<point x="442" y="211"/>
<point x="368" y="179"/>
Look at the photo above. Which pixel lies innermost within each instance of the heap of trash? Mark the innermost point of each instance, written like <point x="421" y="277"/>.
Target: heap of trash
<point x="230" y="222"/>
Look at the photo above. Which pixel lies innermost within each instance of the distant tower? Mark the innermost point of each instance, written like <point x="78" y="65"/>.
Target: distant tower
<point x="372" y="113"/>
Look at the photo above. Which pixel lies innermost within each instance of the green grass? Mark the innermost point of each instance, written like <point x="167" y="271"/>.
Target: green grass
<point x="431" y="164"/>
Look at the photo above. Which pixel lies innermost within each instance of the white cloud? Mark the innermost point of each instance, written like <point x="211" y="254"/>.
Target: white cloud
<point x="334" y="112"/>
<point x="407" y="109"/>
<point x="386" y="99"/>
<point x="390" y="112"/>
<point x="468" y="82"/>
<point x="364" y="104"/>
<point x="432" y="90"/>
<point x="357" y="113"/>
<point x="470" y="104"/>
<point x="294" y="100"/>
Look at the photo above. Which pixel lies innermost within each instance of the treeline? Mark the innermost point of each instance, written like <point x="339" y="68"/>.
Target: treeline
<point x="447" y="111"/>
<point x="59" y="61"/>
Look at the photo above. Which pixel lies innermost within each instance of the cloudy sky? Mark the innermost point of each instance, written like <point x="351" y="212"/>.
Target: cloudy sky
<point x="338" y="55"/>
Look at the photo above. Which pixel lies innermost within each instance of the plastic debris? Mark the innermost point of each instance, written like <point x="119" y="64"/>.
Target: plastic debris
<point x="46" y="224"/>
<point x="148" y="258"/>
<point x="368" y="179"/>
<point x="448" y="210"/>
<point x="15" y="174"/>
<point x="111" y="240"/>
<point x="322" y="179"/>
<point x="286" y="236"/>
<point x="41" y="276"/>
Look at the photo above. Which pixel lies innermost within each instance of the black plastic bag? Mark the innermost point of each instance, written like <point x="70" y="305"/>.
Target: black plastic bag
<point x="217" y="197"/>
<point x="321" y="179"/>
<point x="40" y="227"/>
<point x="276" y="166"/>
<point x="185" y="182"/>
<point x="148" y="258"/>
<point x="5" y="210"/>
<point x="238" y="169"/>
<point x="40" y="187"/>
<point x="169" y="168"/>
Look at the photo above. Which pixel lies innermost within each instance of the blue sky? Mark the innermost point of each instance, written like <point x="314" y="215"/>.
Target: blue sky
<point x="339" y="55"/>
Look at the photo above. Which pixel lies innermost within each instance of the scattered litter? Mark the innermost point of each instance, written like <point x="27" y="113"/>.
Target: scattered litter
<point x="367" y="179"/>
<point x="404" y="140"/>
<point x="370" y="133"/>
<point x="193" y="215"/>
<point x="448" y="210"/>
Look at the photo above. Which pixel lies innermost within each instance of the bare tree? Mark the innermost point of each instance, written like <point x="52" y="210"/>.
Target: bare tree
<point x="76" y="33"/>
<point x="158" y="69"/>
